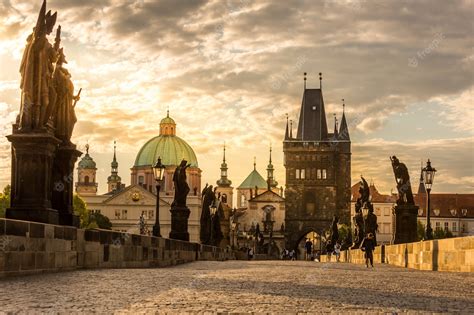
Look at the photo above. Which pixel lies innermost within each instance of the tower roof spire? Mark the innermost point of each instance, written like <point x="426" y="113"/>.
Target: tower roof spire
<point x="291" y="129"/>
<point x="254" y="163"/>
<point x="320" y="81"/>
<point x="343" y="129"/>
<point x="305" y="80"/>
<point x="287" y="135"/>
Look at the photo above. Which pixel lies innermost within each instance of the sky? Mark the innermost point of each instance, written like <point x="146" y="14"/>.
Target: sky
<point x="230" y="71"/>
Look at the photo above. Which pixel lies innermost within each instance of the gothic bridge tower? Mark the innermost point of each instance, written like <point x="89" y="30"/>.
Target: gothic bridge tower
<point x="318" y="170"/>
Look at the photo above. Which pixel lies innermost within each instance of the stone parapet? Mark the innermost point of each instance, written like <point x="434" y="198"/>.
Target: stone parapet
<point x="30" y="247"/>
<point x="451" y="254"/>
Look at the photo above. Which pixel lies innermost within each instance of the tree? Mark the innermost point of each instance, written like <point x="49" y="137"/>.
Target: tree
<point x="344" y="230"/>
<point x="420" y="230"/>
<point x="439" y="233"/>
<point x="89" y="220"/>
<point x="5" y="200"/>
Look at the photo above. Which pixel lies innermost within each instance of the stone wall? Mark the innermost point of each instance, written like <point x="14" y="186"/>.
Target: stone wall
<point x="451" y="254"/>
<point x="29" y="247"/>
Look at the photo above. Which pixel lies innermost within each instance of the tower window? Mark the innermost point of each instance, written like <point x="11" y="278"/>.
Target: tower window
<point x="324" y="174"/>
<point x="141" y="180"/>
<point x="297" y="174"/>
<point x="302" y="174"/>
<point x="86" y="179"/>
<point x="319" y="173"/>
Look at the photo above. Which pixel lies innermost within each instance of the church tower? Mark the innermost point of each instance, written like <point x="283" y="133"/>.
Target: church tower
<point x="86" y="174"/>
<point x="114" y="181"/>
<point x="318" y="170"/>
<point x="224" y="185"/>
<point x="270" y="177"/>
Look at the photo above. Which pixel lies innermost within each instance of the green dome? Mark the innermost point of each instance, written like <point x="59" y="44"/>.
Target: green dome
<point x="170" y="148"/>
<point x="87" y="162"/>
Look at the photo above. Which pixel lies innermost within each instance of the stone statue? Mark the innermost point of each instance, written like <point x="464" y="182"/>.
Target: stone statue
<point x="208" y="198"/>
<point x="405" y="195"/>
<point x="36" y="73"/>
<point x="363" y="201"/>
<point x="334" y="230"/>
<point x="181" y="187"/>
<point x="64" y="116"/>
<point x="370" y="221"/>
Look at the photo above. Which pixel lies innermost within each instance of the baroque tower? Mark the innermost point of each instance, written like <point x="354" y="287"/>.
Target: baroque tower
<point x="224" y="185"/>
<point x="86" y="175"/>
<point x="318" y="170"/>
<point x="114" y="181"/>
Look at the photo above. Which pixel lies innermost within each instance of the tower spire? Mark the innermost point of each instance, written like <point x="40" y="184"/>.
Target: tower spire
<point x="224" y="181"/>
<point x="305" y="80"/>
<point x="114" y="181"/>
<point x="343" y="129"/>
<point x="320" y="81"/>
<point x="287" y="135"/>
<point x="254" y="163"/>
<point x="270" y="178"/>
<point x="335" y="126"/>
<point x="291" y="129"/>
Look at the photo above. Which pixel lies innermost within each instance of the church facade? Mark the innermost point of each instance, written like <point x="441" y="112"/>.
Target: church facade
<point x="124" y="205"/>
<point x="318" y="171"/>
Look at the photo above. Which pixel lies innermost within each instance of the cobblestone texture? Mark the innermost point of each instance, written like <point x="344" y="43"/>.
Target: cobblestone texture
<point x="241" y="286"/>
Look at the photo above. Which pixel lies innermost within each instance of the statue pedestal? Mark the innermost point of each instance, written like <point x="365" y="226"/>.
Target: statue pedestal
<point x="179" y="223"/>
<point x="405" y="230"/>
<point x="31" y="180"/>
<point x="62" y="185"/>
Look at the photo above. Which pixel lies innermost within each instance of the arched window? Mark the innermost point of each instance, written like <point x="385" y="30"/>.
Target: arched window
<point x="86" y="179"/>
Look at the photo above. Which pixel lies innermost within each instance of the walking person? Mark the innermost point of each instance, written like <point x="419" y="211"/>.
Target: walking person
<point x="309" y="249"/>
<point x="337" y="251"/>
<point x="368" y="246"/>
<point x="329" y="250"/>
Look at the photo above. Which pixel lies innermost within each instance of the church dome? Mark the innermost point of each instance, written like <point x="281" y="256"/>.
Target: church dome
<point x="87" y="162"/>
<point x="171" y="148"/>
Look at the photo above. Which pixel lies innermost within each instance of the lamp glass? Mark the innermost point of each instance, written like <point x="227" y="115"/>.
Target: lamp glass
<point x="158" y="170"/>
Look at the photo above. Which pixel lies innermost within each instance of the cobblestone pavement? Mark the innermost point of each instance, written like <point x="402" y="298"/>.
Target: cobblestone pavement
<point x="241" y="286"/>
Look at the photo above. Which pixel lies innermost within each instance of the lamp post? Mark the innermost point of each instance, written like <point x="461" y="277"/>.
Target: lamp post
<point x="234" y="226"/>
<point x="158" y="171"/>
<point x="428" y="174"/>
<point x="213" y="210"/>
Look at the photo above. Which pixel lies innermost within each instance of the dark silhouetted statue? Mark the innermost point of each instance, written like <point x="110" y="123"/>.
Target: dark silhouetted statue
<point x="181" y="187"/>
<point x="405" y="195"/>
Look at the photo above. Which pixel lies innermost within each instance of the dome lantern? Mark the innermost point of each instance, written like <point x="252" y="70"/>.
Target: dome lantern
<point x="167" y="126"/>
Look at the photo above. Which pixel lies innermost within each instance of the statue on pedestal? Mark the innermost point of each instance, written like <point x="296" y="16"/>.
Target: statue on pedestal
<point x="334" y="230"/>
<point x="406" y="212"/>
<point x="405" y="195"/>
<point x="181" y="187"/>
<point x="368" y="223"/>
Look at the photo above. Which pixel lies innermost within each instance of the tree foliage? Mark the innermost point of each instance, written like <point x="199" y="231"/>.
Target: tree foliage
<point x="440" y="233"/>
<point x="89" y="220"/>
<point x="5" y="200"/>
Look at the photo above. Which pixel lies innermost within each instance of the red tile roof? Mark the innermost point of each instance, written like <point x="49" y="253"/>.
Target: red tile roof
<point x="449" y="205"/>
<point x="374" y="193"/>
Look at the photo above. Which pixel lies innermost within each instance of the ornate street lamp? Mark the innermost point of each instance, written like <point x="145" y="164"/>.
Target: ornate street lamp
<point x="234" y="226"/>
<point x="428" y="174"/>
<point x="158" y="172"/>
<point x="213" y="209"/>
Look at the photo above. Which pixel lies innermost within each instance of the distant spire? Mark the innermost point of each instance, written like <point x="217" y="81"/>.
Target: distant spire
<point x="168" y="113"/>
<point x="320" y="81"/>
<point x="224" y="181"/>
<point x="287" y="135"/>
<point x="87" y="147"/>
<point x="270" y="153"/>
<point x="305" y="80"/>
<point x="270" y="178"/>
<point x="114" y="163"/>
<point x="335" y="126"/>
<point x="291" y="129"/>
<point x="254" y="163"/>
<point x="421" y="186"/>
<point x="343" y="129"/>
<point x="224" y="153"/>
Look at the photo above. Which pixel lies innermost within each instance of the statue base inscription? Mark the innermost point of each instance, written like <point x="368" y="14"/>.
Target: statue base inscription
<point x="31" y="180"/>
<point x="405" y="224"/>
<point x="179" y="223"/>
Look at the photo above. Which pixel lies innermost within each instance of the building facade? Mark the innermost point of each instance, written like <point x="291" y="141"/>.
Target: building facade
<point x="318" y="171"/>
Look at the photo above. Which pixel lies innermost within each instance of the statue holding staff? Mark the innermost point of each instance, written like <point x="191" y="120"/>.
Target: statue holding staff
<point x="36" y="72"/>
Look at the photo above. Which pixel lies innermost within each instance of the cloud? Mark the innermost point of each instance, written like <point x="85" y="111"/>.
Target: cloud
<point x="230" y="70"/>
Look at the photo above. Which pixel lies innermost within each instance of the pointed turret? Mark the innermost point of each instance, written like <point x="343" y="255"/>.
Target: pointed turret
<point x="421" y="186"/>
<point x="312" y="124"/>
<point x="336" y="135"/>
<point x="287" y="133"/>
<point x="270" y="178"/>
<point x="343" y="129"/>
<point x="224" y="181"/>
<point x="114" y="181"/>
